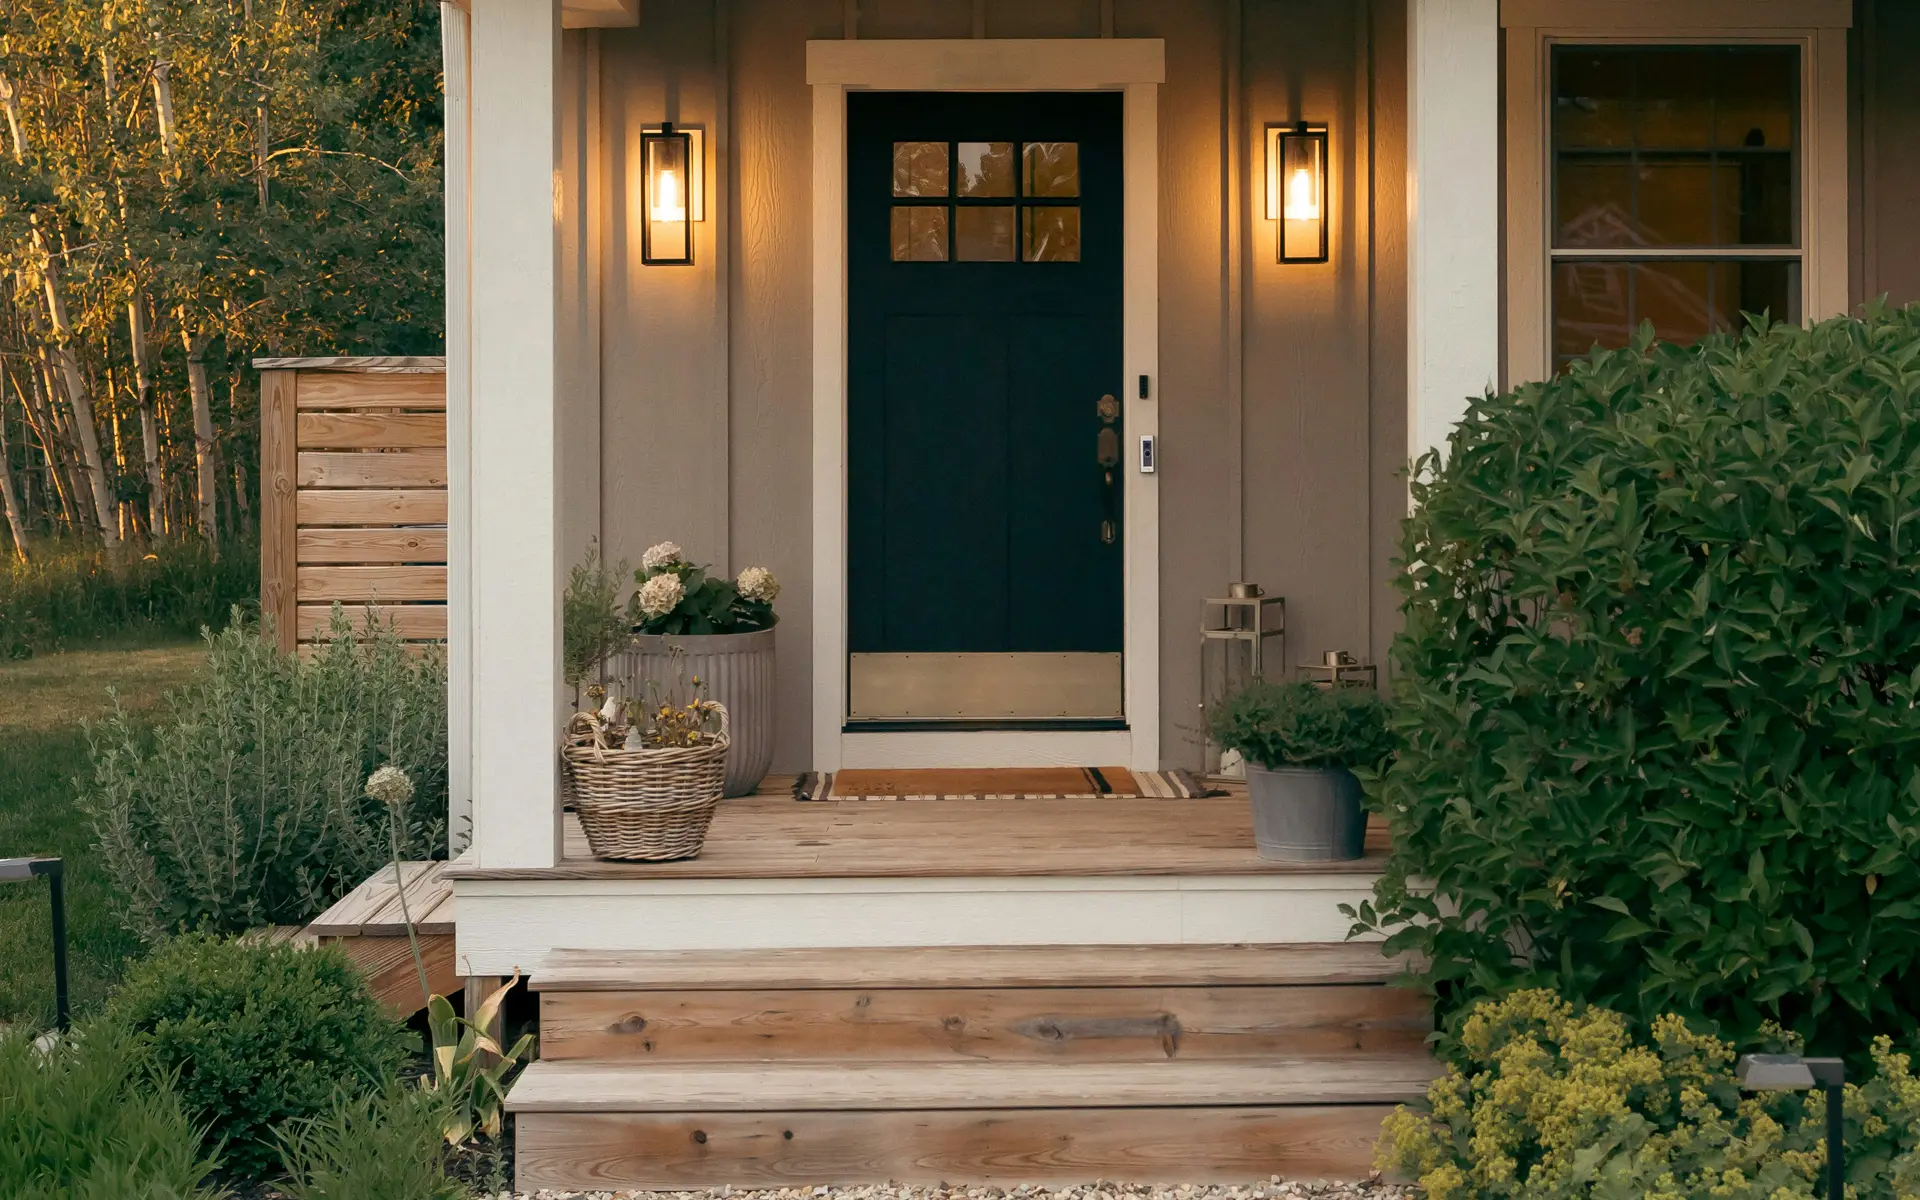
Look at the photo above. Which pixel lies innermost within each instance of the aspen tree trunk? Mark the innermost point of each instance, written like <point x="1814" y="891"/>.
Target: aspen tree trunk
<point x="81" y="404"/>
<point x="9" y="497"/>
<point x="40" y="421"/>
<point x="149" y="429"/>
<point x="163" y="104"/>
<point x="206" y="477"/>
<point x="11" y="102"/>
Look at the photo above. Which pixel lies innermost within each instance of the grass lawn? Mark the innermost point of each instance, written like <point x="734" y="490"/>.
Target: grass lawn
<point x="43" y="751"/>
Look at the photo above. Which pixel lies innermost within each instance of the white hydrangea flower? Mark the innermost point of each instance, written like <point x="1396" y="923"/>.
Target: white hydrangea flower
<point x="758" y="583"/>
<point x="663" y="555"/>
<point x="661" y="594"/>
<point x="390" y="785"/>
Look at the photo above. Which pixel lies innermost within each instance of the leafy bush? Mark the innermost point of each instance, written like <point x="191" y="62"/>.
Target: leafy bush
<point x="65" y="594"/>
<point x="1659" y="711"/>
<point x="675" y="596"/>
<point x="1301" y="725"/>
<point x="76" y="1120"/>
<point x="255" y="1034"/>
<point x="1556" y="1102"/>
<point x="246" y="806"/>
<point x="381" y="1145"/>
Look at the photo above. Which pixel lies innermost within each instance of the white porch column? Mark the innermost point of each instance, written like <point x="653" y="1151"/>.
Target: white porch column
<point x="512" y="481"/>
<point x="457" y="110"/>
<point x="1453" y="212"/>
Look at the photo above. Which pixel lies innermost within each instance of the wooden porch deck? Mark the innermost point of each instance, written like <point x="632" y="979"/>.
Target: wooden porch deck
<point x="773" y="836"/>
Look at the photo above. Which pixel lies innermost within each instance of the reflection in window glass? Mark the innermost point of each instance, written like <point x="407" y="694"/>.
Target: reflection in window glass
<point x="1052" y="169"/>
<point x="986" y="170"/>
<point x="1602" y="303"/>
<point x="1674" y="145"/>
<point x="919" y="233"/>
<point x="983" y="234"/>
<point x="919" y="168"/>
<point x="1052" y="234"/>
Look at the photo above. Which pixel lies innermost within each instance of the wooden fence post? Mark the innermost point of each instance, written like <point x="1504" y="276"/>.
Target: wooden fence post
<point x="278" y="469"/>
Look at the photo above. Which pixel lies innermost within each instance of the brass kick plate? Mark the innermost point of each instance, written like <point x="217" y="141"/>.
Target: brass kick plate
<point x="984" y="687"/>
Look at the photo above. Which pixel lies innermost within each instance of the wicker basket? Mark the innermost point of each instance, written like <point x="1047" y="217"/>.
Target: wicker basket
<point x="647" y="805"/>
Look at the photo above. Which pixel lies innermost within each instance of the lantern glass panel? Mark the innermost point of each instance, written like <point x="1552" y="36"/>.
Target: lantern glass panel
<point x="668" y="224"/>
<point x="1303" y="197"/>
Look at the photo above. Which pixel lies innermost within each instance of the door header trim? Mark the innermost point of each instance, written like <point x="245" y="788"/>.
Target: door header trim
<point x="987" y="64"/>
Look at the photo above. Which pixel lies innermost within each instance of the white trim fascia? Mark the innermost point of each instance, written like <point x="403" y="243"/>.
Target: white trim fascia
<point x="1819" y="27"/>
<point x="458" y="117"/>
<point x="1453" y="213"/>
<point x="987" y="64"/>
<point x="1135" y="67"/>
<point x="512" y="925"/>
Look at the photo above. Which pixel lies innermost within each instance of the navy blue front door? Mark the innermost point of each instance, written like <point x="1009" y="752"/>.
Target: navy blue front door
<point x="983" y="482"/>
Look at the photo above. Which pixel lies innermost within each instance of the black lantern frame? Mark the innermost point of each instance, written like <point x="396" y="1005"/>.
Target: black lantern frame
<point x="1294" y="150"/>
<point x="666" y="162"/>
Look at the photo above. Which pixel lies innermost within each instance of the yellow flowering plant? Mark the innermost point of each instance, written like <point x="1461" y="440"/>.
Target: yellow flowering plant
<point x="1553" y="1101"/>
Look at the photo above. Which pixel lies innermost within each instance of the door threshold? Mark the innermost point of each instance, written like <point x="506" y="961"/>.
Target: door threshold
<point x="1046" y="725"/>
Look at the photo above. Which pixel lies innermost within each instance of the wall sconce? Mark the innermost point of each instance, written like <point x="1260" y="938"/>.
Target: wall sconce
<point x="1297" y="190"/>
<point x="672" y="170"/>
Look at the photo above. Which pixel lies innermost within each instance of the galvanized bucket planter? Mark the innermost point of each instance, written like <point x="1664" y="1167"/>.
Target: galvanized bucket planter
<point x="1307" y="814"/>
<point x="734" y="668"/>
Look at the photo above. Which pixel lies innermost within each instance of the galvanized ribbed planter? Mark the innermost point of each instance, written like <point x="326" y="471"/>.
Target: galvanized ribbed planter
<point x="734" y="668"/>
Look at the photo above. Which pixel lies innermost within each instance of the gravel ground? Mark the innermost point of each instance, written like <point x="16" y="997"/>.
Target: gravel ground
<point x="1274" y="1189"/>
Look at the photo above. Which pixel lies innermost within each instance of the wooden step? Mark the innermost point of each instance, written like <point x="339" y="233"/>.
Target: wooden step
<point x="1058" y="1147"/>
<point x="577" y="1087"/>
<point x="966" y="967"/>
<point x="597" y="1125"/>
<point x="1007" y="1023"/>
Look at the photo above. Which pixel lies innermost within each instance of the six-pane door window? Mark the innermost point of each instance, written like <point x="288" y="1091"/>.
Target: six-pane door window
<point x="985" y="202"/>
<point x="1675" y="190"/>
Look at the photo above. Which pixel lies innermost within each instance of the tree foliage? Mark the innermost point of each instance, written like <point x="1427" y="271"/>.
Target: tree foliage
<point x="1659" y="703"/>
<point x="226" y="178"/>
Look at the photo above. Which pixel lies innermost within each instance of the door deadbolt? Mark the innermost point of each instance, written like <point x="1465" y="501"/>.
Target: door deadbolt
<point x="1108" y="408"/>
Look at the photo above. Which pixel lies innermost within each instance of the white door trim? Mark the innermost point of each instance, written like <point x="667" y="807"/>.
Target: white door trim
<point x="1135" y="66"/>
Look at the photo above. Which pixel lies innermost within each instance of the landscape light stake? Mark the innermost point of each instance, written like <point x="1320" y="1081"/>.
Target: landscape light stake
<point x="17" y="870"/>
<point x="1792" y="1073"/>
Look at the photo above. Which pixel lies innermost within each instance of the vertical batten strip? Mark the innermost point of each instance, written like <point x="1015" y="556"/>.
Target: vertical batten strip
<point x="1453" y="213"/>
<point x="513" y="476"/>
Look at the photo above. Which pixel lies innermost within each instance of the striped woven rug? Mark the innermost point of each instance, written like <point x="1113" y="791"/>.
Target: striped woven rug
<point x="999" y="783"/>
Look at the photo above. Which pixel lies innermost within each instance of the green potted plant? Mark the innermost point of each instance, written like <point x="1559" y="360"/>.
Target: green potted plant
<point x="689" y="623"/>
<point x="1301" y="743"/>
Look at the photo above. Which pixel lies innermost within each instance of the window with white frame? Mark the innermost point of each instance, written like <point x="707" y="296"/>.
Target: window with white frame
<point x="1682" y="164"/>
<point x="1675" y="181"/>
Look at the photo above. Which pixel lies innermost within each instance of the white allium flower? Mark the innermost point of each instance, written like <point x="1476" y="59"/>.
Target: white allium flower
<point x="661" y="594"/>
<point x="390" y="785"/>
<point x="663" y="555"/>
<point x="758" y="583"/>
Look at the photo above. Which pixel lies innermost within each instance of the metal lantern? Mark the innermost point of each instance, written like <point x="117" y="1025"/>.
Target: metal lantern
<point x="1337" y="668"/>
<point x="1297" y="190"/>
<point x="1235" y="630"/>
<point x="667" y="169"/>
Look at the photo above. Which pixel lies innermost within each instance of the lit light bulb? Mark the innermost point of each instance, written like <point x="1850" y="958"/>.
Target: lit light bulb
<point x="667" y="203"/>
<point x="1302" y="204"/>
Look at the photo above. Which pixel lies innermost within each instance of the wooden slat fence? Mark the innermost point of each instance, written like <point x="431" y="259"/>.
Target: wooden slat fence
<point x="353" y="504"/>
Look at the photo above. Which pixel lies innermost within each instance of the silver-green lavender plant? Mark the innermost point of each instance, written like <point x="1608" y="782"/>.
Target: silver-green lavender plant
<point x="247" y="805"/>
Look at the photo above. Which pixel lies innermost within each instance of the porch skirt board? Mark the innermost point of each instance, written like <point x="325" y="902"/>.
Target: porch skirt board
<point x="1012" y="783"/>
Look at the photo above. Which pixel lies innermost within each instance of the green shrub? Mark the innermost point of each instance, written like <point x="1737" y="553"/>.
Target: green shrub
<point x="383" y="1145"/>
<point x="255" y="1034"/>
<point x="247" y="805"/>
<point x="1556" y="1102"/>
<point x="1301" y="725"/>
<point x="66" y="594"/>
<point x="592" y="623"/>
<point x="1659" y="706"/>
<point x="77" y="1121"/>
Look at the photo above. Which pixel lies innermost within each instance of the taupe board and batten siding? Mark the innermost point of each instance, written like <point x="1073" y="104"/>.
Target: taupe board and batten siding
<point x="353" y="494"/>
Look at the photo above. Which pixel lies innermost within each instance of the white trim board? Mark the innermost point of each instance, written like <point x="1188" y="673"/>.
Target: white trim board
<point x="1135" y="66"/>
<point x="508" y="925"/>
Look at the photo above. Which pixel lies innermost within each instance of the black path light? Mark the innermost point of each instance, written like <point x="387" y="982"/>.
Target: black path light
<point x="1792" y="1073"/>
<point x="20" y="870"/>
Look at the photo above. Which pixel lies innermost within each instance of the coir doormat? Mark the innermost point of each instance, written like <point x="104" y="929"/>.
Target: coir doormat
<point x="999" y="783"/>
